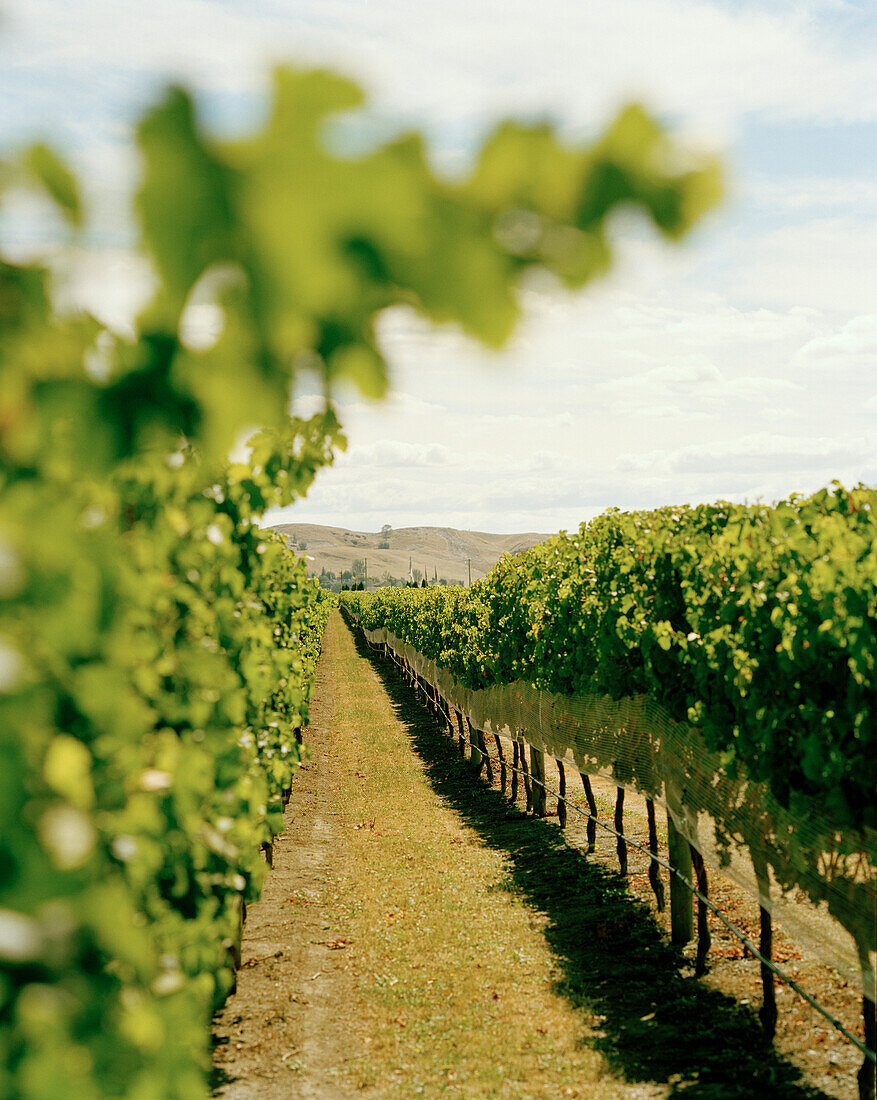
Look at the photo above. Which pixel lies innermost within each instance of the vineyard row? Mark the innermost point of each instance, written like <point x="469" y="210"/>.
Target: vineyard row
<point x="719" y="659"/>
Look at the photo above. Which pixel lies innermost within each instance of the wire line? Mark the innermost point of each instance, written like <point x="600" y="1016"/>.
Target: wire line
<point x="744" y="939"/>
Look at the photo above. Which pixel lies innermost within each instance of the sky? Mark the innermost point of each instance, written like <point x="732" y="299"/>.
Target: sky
<point x="741" y="365"/>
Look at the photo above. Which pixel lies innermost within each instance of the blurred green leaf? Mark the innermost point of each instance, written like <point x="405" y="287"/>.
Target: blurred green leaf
<point x="57" y="179"/>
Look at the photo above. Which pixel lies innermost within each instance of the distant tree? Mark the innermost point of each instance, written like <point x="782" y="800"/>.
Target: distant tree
<point x="302" y="545"/>
<point x="424" y="583"/>
<point x="417" y="576"/>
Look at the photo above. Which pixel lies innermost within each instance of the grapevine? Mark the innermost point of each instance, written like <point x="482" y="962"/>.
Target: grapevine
<point x="157" y="645"/>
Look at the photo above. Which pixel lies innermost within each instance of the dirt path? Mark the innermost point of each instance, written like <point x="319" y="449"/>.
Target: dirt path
<point x="281" y="1033"/>
<point x="419" y="935"/>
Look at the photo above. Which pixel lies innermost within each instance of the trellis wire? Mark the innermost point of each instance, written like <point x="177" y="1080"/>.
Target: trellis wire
<point x="744" y="939"/>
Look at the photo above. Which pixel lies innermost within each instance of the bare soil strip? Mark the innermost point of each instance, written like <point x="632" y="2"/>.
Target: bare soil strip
<point x="420" y="936"/>
<point x="279" y="1035"/>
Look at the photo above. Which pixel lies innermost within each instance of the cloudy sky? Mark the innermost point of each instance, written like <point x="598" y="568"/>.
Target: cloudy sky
<point x="742" y="365"/>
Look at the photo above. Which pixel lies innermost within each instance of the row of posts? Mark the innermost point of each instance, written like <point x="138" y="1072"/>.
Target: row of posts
<point x="686" y="861"/>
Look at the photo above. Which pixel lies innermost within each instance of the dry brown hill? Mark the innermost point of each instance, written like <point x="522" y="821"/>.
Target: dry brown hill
<point x="441" y="552"/>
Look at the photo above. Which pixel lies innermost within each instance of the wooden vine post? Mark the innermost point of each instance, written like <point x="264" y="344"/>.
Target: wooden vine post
<point x="592" y="811"/>
<point x="703" y="928"/>
<point x="461" y="740"/>
<point x="767" y="1014"/>
<point x="528" y="786"/>
<point x="476" y="755"/>
<point x="502" y="767"/>
<point x="655" y="880"/>
<point x="561" y="801"/>
<point x="450" y="721"/>
<point x="482" y="744"/>
<point x="516" y="760"/>
<point x="681" y="917"/>
<point x="540" y="795"/>
<point x="620" y="842"/>
<point x="445" y="709"/>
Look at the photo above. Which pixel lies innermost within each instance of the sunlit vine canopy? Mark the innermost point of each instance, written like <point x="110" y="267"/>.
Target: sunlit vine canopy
<point x="157" y="647"/>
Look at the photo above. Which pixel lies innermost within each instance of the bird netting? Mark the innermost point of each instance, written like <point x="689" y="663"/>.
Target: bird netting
<point x="817" y="881"/>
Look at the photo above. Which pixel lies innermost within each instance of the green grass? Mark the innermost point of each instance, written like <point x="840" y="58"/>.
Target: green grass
<point x="492" y="958"/>
<point x="455" y="981"/>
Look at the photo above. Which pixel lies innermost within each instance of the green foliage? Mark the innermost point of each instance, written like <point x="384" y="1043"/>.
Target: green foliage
<point x="167" y="647"/>
<point x="755" y="623"/>
<point x="307" y="247"/>
<point x="157" y="646"/>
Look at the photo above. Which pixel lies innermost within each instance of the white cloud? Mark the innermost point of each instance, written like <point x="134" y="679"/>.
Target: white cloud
<point x="815" y="194"/>
<point x="457" y="62"/>
<point x="853" y="345"/>
<point x="697" y="382"/>
<point x="392" y="453"/>
<point x="825" y="263"/>
<point x="765" y="453"/>
<point x="742" y="363"/>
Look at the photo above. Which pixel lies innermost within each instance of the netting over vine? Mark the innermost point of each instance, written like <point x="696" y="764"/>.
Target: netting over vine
<point x="825" y="896"/>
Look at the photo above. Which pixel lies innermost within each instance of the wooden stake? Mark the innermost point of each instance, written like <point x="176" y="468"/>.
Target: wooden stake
<point x="502" y="768"/>
<point x="528" y="786"/>
<point x="516" y="760"/>
<point x="620" y="842"/>
<point x="482" y="744"/>
<point x="540" y="795"/>
<point x="655" y="880"/>
<point x="592" y="810"/>
<point x="446" y="714"/>
<point x="461" y="740"/>
<point x="561" y="802"/>
<point x="703" y="929"/>
<point x="768" y="1011"/>
<point x="476" y="757"/>
<point x="681" y="921"/>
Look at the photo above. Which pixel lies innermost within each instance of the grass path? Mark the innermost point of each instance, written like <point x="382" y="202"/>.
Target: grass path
<point x="419" y="936"/>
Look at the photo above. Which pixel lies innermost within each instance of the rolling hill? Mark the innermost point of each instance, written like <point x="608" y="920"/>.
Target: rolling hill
<point x="437" y="552"/>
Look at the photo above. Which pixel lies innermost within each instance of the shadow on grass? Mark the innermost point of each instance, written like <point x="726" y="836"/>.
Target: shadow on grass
<point x="658" y="1025"/>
